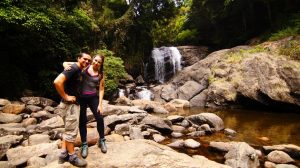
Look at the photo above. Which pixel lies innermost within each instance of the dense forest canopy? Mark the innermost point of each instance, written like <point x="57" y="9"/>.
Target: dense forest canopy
<point x="37" y="36"/>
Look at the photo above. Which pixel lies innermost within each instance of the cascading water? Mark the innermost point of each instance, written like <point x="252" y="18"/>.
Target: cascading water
<point x="167" y="61"/>
<point x="144" y="94"/>
<point x="121" y="92"/>
<point x="176" y="59"/>
<point x="159" y="64"/>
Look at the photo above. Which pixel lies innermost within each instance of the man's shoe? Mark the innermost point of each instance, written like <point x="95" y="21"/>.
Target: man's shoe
<point x="102" y="145"/>
<point x="76" y="161"/>
<point x="84" y="150"/>
<point x="63" y="157"/>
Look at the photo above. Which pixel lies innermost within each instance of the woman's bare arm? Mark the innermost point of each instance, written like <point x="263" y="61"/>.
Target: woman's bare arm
<point x="101" y="94"/>
<point x="67" y="65"/>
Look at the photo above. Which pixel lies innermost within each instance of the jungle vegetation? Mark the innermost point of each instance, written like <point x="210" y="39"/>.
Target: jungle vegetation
<point x="37" y="36"/>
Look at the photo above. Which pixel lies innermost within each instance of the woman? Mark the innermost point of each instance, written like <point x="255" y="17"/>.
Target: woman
<point x="91" y="95"/>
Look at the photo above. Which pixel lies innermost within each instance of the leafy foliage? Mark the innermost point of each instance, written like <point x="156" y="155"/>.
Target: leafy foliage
<point x="227" y="23"/>
<point x="292" y="49"/>
<point x="291" y="28"/>
<point x="37" y="36"/>
<point x="113" y="70"/>
<point x="40" y="35"/>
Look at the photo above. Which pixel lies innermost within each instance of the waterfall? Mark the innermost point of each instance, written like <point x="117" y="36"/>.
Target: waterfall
<point x="121" y="92"/>
<point x="167" y="62"/>
<point x="159" y="65"/>
<point x="176" y="59"/>
<point x="144" y="94"/>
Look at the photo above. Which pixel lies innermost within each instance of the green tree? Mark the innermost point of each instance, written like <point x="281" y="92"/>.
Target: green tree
<point x="113" y="70"/>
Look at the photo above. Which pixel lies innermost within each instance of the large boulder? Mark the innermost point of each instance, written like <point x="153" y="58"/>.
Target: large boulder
<point x="254" y="73"/>
<point x="143" y="153"/>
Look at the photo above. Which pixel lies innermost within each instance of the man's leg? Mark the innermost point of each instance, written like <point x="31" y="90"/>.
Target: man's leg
<point x="71" y="131"/>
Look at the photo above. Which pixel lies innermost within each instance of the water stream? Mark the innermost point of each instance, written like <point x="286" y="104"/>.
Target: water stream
<point x="255" y="127"/>
<point x="252" y="125"/>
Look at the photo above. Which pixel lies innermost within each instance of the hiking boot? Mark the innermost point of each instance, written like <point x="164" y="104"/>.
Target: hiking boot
<point x="63" y="157"/>
<point x="84" y="150"/>
<point x="102" y="145"/>
<point x="76" y="161"/>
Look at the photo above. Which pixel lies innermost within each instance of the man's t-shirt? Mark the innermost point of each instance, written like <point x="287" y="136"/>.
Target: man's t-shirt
<point x="73" y="80"/>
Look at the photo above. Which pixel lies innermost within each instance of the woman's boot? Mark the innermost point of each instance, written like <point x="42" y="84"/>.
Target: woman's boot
<point x="84" y="150"/>
<point x="102" y="145"/>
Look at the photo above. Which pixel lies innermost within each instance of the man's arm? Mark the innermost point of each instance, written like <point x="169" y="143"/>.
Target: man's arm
<point x="59" y="86"/>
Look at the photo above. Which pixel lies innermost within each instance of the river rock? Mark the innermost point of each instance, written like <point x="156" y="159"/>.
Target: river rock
<point x="291" y="149"/>
<point x="189" y="90"/>
<point x="279" y="157"/>
<point x="42" y="114"/>
<point x="168" y="92"/>
<point x="158" y="138"/>
<point x="7" y="141"/>
<point x="176" y="134"/>
<point x="112" y="120"/>
<point x="4" y="102"/>
<point x="5" y="164"/>
<point x="49" y="108"/>
<point x="207" y="118"/>
<point x="268" y="164"/>
<point x="38" y="101"/>
<point x="285" y="166"/>
<point x="177" y="144"/>
<point x="178" y="128"/>
<point x="175" y="118"/>
<point x="157" y="123"/>
<point x="229" y="132"/>
<point x="190" y="143"/>
<point x="241" y="155"/>
<point x="180" y="103"/>
<point x="51" y="123"/>
<point x="38" y="139"/>
<point x="13" y="108"/>
<point x="122" y="129"/>
<point x="35" y="162"/>
<point x="9" y="118"/>
<point x="33" y="108"/>
<point x="19" y="155"/>
<point x="29" y="121"/>
<point x="135" y="132"/>
<point x="114" y="138"/>
<point x="196" y="133"/>
<point x="13" y="128"/>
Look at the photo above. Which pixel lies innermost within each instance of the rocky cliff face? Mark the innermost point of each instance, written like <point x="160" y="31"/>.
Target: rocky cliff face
<point x="192" y="54"/>
<point x="253" y="73"/>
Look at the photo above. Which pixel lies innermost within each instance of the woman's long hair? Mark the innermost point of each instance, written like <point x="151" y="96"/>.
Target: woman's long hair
<point x="101" y="69"/>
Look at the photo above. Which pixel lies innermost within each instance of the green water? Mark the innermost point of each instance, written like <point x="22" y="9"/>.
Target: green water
<point x="257" y="128"/>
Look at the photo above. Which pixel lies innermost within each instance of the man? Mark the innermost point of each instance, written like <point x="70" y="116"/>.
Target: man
<point x="67" y="86"/>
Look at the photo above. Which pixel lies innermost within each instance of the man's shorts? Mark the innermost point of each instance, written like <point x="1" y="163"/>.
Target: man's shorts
<point x="71" y="119"/>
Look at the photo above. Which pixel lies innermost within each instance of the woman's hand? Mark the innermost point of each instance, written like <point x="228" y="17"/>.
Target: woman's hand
<point x="67" y="65"/>
<point x="68" y="68"/>
<point x="100" y="109"/>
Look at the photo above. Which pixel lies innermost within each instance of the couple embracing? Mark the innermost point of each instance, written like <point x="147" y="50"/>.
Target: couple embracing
<point x="81" y="83"/>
